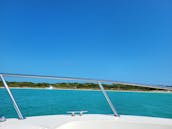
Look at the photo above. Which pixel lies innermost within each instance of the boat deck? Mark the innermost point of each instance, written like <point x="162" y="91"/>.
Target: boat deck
<point x="87" y="121"/>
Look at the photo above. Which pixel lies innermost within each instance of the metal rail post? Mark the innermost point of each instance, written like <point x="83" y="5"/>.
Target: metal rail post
<point x="12" y="98"/>
<point x="108" y="99"/>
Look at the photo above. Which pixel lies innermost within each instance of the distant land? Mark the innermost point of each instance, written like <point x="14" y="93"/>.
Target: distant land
<point x="80" y="86"/>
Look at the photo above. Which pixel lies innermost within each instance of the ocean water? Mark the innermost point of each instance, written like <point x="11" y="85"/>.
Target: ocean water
<point x="36" y="102"/>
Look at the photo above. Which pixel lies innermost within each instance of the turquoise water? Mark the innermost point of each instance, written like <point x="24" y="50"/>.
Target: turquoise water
<point x="34" y="102"/>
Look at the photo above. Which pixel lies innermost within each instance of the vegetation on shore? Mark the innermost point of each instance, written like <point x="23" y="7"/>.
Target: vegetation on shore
<point x="79" y="86"/>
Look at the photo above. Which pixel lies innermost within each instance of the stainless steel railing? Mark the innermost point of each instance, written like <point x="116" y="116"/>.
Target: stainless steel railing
<point x="12" y="98"/>
<point x="108" y="99"/>
<point x="20" y="116"/>
<point x="69" y="78"/>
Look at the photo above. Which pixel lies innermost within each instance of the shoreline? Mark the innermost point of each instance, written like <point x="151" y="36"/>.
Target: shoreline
<point x="138" y="91"/>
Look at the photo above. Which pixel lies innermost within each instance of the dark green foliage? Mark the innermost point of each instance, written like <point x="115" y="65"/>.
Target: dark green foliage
<point x="78" y="86"/>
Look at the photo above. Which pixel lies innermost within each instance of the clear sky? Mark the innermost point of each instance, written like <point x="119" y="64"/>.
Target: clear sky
<point x="123" y="40"/>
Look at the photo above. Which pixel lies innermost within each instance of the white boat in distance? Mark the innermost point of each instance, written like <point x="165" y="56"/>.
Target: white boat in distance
<point x="50" y="87"/>
<point x="77" y="119"/>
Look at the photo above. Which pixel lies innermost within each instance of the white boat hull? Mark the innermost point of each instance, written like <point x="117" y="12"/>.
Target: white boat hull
<point x="92" y="121"/>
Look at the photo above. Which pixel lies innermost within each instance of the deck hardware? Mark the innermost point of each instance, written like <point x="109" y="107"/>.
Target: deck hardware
<point x="82" y="112"/>
<point x="2" y="118"/>
<point x="73" y="113"/>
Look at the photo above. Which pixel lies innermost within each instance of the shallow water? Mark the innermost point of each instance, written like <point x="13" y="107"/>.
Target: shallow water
<point x="34" y="102"/>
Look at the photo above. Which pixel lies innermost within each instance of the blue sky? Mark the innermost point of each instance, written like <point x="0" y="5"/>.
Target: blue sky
<point x="124" y="40"/>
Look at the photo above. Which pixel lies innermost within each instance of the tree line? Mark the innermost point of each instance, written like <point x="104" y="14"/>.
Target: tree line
<point x="66" y="85"/>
